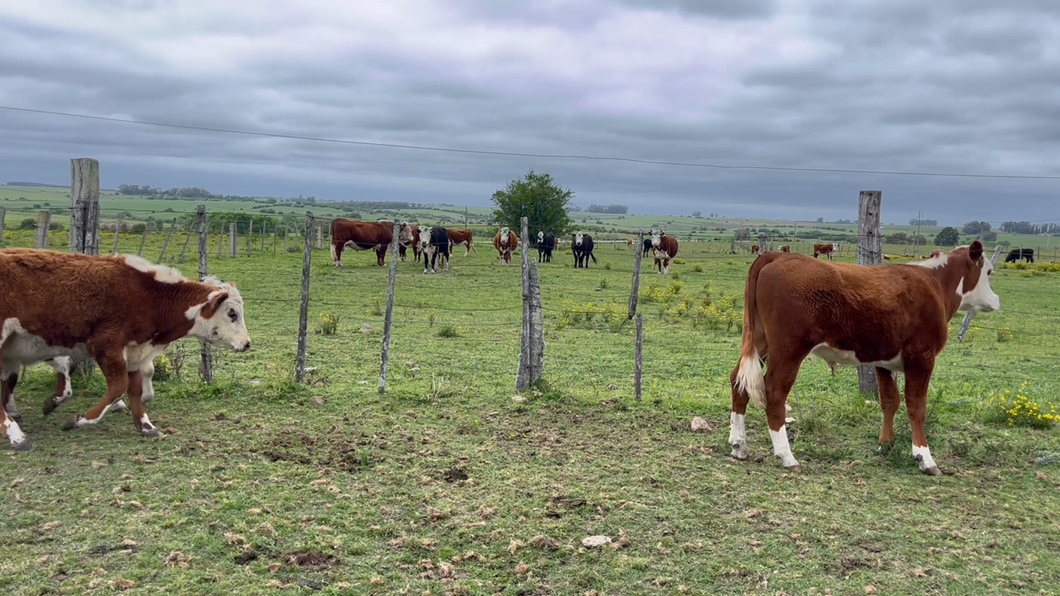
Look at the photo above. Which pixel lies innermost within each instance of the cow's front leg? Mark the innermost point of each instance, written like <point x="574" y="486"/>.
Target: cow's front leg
<point x="113" y="365"/>
<point x="917" y="377"/>
<point x="136" y="406"/>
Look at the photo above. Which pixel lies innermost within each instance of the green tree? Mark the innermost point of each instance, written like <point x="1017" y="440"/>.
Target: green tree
<point x="539" y="199"/>
<point x="948" y="236"/>
<point x="976" y="227"/>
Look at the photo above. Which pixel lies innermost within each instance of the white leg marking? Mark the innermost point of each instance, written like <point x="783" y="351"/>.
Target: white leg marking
<point x="14" y="433"/>
<point x="738" y="436"/>
<point x="781" y="448"/>
<point x="11" y="409"/>
<point x="117" y="407"/>
<point x="922" y="455"/>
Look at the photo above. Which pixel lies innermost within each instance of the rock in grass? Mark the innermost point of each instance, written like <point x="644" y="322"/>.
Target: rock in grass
<point x="700" y="425"/>
<point x="595" y="541"/>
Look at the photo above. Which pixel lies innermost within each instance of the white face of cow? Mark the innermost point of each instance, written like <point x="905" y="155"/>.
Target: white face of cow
<point x="655" y="235"/>
<point x="540" y="236"/>
<point x="578" y="239"/>
<point x="981" y="298"/>
<point x="219" y="321"/>
<point x="425" y="238"/>
<point x="405" y="235"/>
<point x="504" y="235"/>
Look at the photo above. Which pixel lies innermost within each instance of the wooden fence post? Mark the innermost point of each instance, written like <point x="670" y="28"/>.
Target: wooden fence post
<point x="870" y="252"/>
<point x="522" y="377"/>
<point x="634" y="290"/>
<point x="3" y="216"/>
<point x="537" y="326"/>
<point x="117" y="232"/>
<point x="233" y="238"/>
<point x="275" y="228"/>
<point x="187" y="239"/>
<point x="264" y="227"/>
<point x="84" y="203"/>
<point x="320" y="236"/>
<point x="220" y="242"/>
<point x="761" y="244"/>
<point x="385" y="359"/>
<point x="206" y="364"/>
<point x="286" y="236"/>
<point x="165" y="243"/>
<point x="143" y="239"/>
<point x="732" y="245"/>
<point x="637" y="374"/>
<point x="303" y="317"/>
<point x="44" y="219"/>
<point x="250" y="238"/>
<point x="968" y="315"/>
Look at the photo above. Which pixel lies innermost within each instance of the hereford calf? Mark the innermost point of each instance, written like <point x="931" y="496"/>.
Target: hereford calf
<point x="664" y="248"/>
<point x="894" y="317"/>
<point x="434" y="244"/>
<point x="365" y="235"/>
<point x="413" y="243"/>
<point x="121" y="311"/>
<point x="463" y="238"/>
<point x="505" y="242"/>
<point x="823" y="248"/>
<point x="754" y="249"/>
<point x="785" y="248"/>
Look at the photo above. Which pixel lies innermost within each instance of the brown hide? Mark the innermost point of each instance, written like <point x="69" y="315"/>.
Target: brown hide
<point x="459" y="237"/>
<point x="824" y="248"/>
<point x="365" y="235"/>
<point x="666" y="250"/>
<point x="505" y="250"/>
<point x="785" y="248"/>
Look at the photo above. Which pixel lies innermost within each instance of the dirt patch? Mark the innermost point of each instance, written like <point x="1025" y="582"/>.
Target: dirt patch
<point x="455" y="475"/>
<point x="311" y="561"/>
<point x="247" y="556"/>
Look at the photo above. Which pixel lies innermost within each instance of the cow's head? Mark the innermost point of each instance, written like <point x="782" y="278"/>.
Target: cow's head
<point x="405" y="235"/>
<point x="974" y="287"/>
<point x="655" y="235"/>
<point x="504" y="235"/>
<point x="578" y="239"/>
<point x="425" y="238"/>
<point x="219" y="320"/>
<point x="540" y="236"/>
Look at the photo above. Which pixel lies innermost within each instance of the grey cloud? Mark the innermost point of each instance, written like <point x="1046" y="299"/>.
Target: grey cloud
<point x="723" y="9"/>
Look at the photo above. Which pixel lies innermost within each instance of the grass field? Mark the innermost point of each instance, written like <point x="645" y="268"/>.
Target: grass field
<point x="446" y="485"/>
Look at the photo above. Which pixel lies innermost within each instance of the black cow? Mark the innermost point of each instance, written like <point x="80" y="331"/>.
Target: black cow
<point x="582" y="247"/>
<point x="545" y="244"/>
<point x="647" y="246"/>
<point x="434" y="243"/>
<point x="1020" y="253"/>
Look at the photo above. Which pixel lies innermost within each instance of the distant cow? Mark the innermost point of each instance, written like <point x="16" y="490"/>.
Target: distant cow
<point x="413" y="243"/>
<point x="647" y="245"/>
<point x="546" y="243"/>
<point x="365" y="235"/>
<point x="754" y="249"/>
<point x="1016" y="254"/>
<point x="629" y="243"/>
<point x="785" y="248"/>
<point x="894" y="318"/>
<point x="823" y="248"/>
<point x="665" y="248"/>
<point x="434" y="244"/>
<point x="463" y="238"/>
<point x="121" y="311"/>
<point x="582" y="247"/>
<point x="505" y="242"/>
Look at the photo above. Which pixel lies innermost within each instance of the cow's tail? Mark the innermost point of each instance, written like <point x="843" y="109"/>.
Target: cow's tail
<point x="750" y="377"/>
<point x="334" y="251"/>
<point x="593" y="256"/>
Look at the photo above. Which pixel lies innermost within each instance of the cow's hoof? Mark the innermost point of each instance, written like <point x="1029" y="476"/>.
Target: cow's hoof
<point x="23" y="445"/>
<point x="884" y="448"/>
<point x="70" y="423"/>
<point x="49" y="405"/>
<point x="150" y="433"/>
<point x="932" y="471"/>
<point x="17" y="418"/>
<point x="147" y="399"/>
<point x="741" y="452"/>
<point x="796" y="469"/>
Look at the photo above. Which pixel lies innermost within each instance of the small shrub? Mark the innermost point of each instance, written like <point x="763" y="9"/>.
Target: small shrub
<point x="1004" y="335"/>
<point x="56" y="226"/>
<point x="607" y="265"/>
<point x="603" y="283"/>
<point x="730" y="262"/>
<point x="432" y="314"/>
<point x="1020" y="410"/>
<point x="28" y="224"/>
<point x="447" y="331"/>
<point x="163" y="370"/>
<point x="329" y="323"/>
<point x="675" y="275"/>
<point x="698" y="268"/>
<point x="678" y="261"/>
<point x="139" y="228"/>
<point x="377" y="308"/>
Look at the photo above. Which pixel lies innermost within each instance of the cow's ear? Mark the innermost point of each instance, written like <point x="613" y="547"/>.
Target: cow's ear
<point x="975" y="251"/>
<point x="213" y="304"/>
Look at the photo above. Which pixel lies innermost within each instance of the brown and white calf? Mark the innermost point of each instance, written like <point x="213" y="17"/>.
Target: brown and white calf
<point x="823" y="248"/>
<point x="785" y="248"/>
<point x="505" y="242"/>
<point x="121" y="311"/>
<point x="754" y="249"/>
<point x="365" y="235"/>
<point x="663" y="248"/>
<point x="894" y="317"/>
<point x="413" y="243"/>
<point x="463" y="238"/>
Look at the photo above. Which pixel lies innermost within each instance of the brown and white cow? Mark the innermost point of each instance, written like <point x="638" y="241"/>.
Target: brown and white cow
<point x="663" y="248"/>
<point x="505" y="242"/>
<point x="365" y="235"/>
<point x="823" y="248"/>
<point x="463" y="238"/>
<point x="894" y="317"/>
<point x="121" y="311"/>
<point x="785" y="248"/>
<point x="754" y="249"/>
<point x="413" y="244"/>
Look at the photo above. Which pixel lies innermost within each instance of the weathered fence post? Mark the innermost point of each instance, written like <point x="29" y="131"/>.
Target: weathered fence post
<point x="303" y="316"/>
<point x="537" y="326"/>
<point x="206" y="365"/>
<point x="165" y="243"/>
<point x="634" y="290"/>
<point x="117" y="232"/>
<point x="275" y="228"/>
<point x="638" y="371"/>
<point x="84" y="203"/>
<point x="44" y="219"/>
<point x="968" y="315"/>
<point x="524" y="375"/>
<point x="264" y="227"/>
<point x="732" y="245"/>
<point x="286" y="235"/>
<point x="220" y="241"/>
<point x="250" y="238"/>
<point x="870" y="252"/>
<point x="3" y="216"/>
<point x="233" y="238"/>
<point x="187" y="239"/>
<point x="385" y="359"/>
<point x="761" y="244"/>
<point x="143" y="240"/>
<point x="320" y="236"/>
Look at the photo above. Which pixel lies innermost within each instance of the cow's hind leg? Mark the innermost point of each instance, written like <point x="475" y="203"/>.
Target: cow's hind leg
<point x="889" y="400"/>
<point x="8" y="381"/>
<point x="780" y="376"/>
<point x="8" y="426"/>
<point x="916" y="389"/>
<point x="737" y="426"/>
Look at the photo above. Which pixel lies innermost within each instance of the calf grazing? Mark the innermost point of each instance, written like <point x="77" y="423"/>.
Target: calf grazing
<point x="1016" y="254"/>
<point x="785" y="248"/>
<point x="545" y="244"/>
<point x="461" y="238"/>
<point x="365" y="235"/>
<point x="505" y="242"/>
<point x="894" y="317"/>
<point x="434" y="244"/>
<point x="413" y="243"/>
<point x="823" y="248"/>
<point x="665" y="248"/>
<point x="582" y="247"/>
<point x="121" y="311"/>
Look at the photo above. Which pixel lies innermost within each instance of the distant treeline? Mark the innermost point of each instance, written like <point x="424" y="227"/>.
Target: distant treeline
<point x="1025" y="227"/>
<point x="924" y="222"/>
<point x="37" y="184"/>
<point x="620" y="209"/>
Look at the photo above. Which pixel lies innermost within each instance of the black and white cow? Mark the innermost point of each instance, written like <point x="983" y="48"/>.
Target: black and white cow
<point x="434" y="242"/>
<point x="545" y="244"/>
<point x="1016" y="254"/>
<point x="582" y="247"/>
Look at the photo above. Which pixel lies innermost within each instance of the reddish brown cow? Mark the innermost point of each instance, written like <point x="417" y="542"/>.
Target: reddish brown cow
<point x="893" y="317"/>
<point x="785" y="248"/>
<point x="121" y="311"/>
<point x="663" y="248"/>
<point x="754" y="249"/>
<point x="414" y="244"/>
<point x="823" y="248"/>
<point x="365" y="235"/>
<point x="505" y="242"/>
<point x="463" y="238"/>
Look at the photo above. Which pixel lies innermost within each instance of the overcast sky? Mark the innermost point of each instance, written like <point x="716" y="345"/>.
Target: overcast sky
<point x="958" y="86"/>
